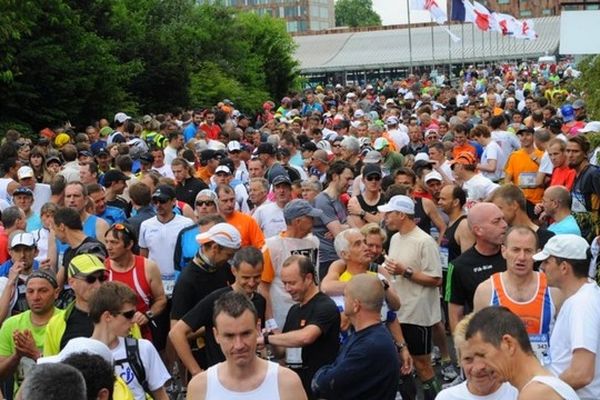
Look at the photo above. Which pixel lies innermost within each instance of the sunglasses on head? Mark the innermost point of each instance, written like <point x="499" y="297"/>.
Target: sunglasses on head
<point x="127" y="314"/>
<point x="201" y="203"/>
<point x="121" y="228"/>
<point x="371" y="178"/>
<point x="91" y="279"/>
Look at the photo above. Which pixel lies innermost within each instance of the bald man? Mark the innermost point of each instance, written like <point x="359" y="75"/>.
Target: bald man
<point x="557" y="206"/>
<point x="477" y="264"/>
<point x="369" y="348"/>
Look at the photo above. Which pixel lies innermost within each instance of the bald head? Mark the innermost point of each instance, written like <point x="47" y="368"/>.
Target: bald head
<point x="321" y="155"/>
<point x="480" y="212"/>
<point x="367" y="289"/>
<point x="560" y="195"/>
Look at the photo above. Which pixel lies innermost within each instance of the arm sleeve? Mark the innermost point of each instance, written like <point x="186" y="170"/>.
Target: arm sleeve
<point x="142" y="237"/>
<point x="432" y="264"/>
<point x="201" y="314"/>
<point x="156" y="372"/>
<point x="509" y="170"/>
<point x="329" y="214"/>
<point x="6" y="340"/>
<point x="258" y="237"/>
<point x="268" y="273"/>
<point x="325" y="317"/>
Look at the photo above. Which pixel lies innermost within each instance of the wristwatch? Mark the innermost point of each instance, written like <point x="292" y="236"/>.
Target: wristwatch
<point x="408" y="273"/>
<point x="149" y="314"/>
<point x="399" y="346"/>
<point x="363" y="214"/>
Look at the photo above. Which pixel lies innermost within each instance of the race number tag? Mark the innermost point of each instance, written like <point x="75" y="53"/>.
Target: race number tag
<point x="444" y="258"/>
<point x="168" y="284"/>
<point x="541" y="348"/>
<point x="293" y="357"/>
<point x="527" y="180"/>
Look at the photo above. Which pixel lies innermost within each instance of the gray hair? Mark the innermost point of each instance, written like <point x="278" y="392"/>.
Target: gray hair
<point x="341" y="242"/>
<point x="351" y="143"/>
<point x="274" y="140"/>
<point x="54" y="382"/>
<point x="312" y="185"/>
<point x="264" y="183"/>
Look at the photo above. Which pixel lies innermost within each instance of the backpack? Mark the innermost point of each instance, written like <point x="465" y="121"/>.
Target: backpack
<point x="132" y="356"/>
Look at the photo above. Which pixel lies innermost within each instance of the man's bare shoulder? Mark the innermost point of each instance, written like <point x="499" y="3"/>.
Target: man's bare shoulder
<point x="196" y="389"/>
<point x="290" y="386"/>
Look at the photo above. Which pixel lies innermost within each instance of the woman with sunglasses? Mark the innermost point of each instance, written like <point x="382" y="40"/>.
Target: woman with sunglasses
<point x="362" y="209"/>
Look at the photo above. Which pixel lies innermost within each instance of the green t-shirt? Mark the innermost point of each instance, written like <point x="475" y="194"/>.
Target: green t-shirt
<point x="21" y="322"/>
<point x="392" y="162"/>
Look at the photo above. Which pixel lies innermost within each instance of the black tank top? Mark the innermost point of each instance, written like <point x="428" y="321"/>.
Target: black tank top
<point x="367" y="207"/>
<point x="421" y="218"/>
<point x="449" y="240"/>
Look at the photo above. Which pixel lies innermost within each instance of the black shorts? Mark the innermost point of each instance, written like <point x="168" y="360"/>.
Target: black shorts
<point x="418" y="339"/>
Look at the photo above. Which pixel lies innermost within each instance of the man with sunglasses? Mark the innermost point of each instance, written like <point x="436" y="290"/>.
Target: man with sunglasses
<point x="85" y="274"/>
<point x="363" y="207"/>
<point x="139" y="273"/>
<point x="22" y="336"/>
<point x="112" y="308"/>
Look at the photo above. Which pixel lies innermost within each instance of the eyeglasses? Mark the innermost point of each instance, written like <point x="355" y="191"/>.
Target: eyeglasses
<point x="337" y="145"/>
<point x="372" y="178"/>
<point x="127" y="314"/>
<point x="234" y="152"/>
<point x="159" y="200"/>
<point x="91" y="279"/>
<point x="207" y="203"/>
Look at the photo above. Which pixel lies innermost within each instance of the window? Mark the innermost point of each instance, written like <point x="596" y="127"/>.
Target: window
<point x="526" y="13"/>
<point x="314" y="11"/>
<point x="547" y="11"/>
<point x="503" y="1"/>
<point x="291" y="11"/>
<point x="324" y="12"/>
<point x="292" y="26"/>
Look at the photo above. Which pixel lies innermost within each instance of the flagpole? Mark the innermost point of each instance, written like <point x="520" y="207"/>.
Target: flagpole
<point x="432" y="47"/>
<point x="462" y="36"/>
<point x="449" y="54"/>
<point x="409" y="38"/>
<point x="473" y="39"/>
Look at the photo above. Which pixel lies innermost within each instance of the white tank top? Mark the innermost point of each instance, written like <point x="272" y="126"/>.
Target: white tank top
<point x="564" y="390"/>
<point x="4" y="189"/>
<point x="268" y="389"/>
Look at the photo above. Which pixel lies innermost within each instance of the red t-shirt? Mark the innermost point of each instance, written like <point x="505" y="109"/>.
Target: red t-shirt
<point x="563" y="176"/>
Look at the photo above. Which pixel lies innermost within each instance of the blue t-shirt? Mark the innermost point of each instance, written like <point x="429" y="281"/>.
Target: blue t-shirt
<point x="567" y="225"/>
<point x="6" y="266"/>
<point x="187" y="246"/>
<point x="34" y="222"/>
<point x="112" y="215"/>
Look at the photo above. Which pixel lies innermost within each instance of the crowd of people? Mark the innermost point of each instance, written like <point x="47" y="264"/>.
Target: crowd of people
<point x="324" y="248"/>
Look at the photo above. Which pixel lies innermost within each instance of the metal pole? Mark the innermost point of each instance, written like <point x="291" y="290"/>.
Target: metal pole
<point x="473" y="38"/>
<point x="462" y="37"/>
<point x="449" y="54"/>
<point x="432" y="45"/>
<point x="409" y="38"/>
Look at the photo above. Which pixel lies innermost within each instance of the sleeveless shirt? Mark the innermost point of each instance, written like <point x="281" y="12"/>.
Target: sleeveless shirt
<point x="268" y="389"/>
<point x="421" y="218"/>
<point x="371" y="209"/>
<point x="450" y="241"/>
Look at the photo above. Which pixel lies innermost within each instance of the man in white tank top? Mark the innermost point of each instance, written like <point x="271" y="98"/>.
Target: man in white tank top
<point x="498" y="340"/>
<point x="243" y="375"/>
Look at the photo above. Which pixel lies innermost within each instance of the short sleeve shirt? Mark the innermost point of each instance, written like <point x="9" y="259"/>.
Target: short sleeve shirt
<point x="333" y="210"/>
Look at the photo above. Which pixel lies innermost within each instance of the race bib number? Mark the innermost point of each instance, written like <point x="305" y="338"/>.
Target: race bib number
<point x="541" y="348"/>
<point x="444" y="258"/>
<point x="293" y="356"/>
<point x="168" y="285"/>
<point x="527" y="180"/>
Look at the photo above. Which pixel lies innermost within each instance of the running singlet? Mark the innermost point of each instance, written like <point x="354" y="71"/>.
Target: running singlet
<point x="537" y="314"/>
<point x="268" y="389"/>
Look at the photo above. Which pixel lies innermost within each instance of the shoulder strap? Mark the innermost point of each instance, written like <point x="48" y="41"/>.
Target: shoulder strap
<point x="132" y="350"/>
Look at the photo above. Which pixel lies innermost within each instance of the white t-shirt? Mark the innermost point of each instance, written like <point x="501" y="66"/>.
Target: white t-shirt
<point x="41" y="195"/>
<point x="577" y="326"/>
<point x="270" y="219"/>
<point x="507" y="141"/>
<point x="546" y="166"/>
<point x="479" y="187"/>
<point x="160" y="240"/>
<point x="400" y="137"/>
<point x="493" y="152"/>
<point x="460" y="392"/>
<point x="170" y="155"/>
<point x="165" y="171"/>
<point x="420" y="304"/>
<point x="156" y="372"/>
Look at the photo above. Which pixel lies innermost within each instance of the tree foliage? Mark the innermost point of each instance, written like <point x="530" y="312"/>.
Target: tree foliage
<point x="355" y="13"/>
<point x="589" y="85"/>
<point x="80" y="60"/>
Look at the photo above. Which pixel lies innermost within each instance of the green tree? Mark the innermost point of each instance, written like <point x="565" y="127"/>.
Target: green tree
<point x="355" y="13"/>
<point x="589" y="85"/>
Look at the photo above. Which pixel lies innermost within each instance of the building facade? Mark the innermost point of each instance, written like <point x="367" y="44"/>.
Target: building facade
<point x="525" y="8"/>
<point x="300" y="15"/>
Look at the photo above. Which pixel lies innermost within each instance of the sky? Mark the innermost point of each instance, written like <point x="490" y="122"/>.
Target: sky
<point x="395" y="12"/>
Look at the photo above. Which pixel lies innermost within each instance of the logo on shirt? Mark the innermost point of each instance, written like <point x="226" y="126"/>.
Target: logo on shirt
<point x="483" y="268"/>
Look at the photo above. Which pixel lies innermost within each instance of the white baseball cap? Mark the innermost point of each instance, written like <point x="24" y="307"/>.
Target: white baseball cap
<point x="592" y="126"/>
<point x="25" y="172"/>
<point x="121" y="117"/>
<point x="399" y="203"/>
<point x="422" y="157"/>
<point x="234" y="145"/>
<point x="568" y="246"/>
<point x="433" y="175"/>
<point x="223" y="234"/>
<point x="223" y="168"/>
<point x="22" y="239"/>
<point x="80" y="345"/>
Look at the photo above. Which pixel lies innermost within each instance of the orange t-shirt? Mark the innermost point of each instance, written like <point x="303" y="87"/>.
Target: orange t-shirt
<point x="249" y="230"/>
<point x="465" y="147"/>
<point x="204" y="174"/>
<point x="522" y="170"/>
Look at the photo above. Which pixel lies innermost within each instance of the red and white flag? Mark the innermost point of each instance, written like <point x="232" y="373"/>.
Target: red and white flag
<point x="505" y="24"/>
<point x="437" y="13"/>
<point x="526" y="30"/>
<point x="478" y="15"/>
